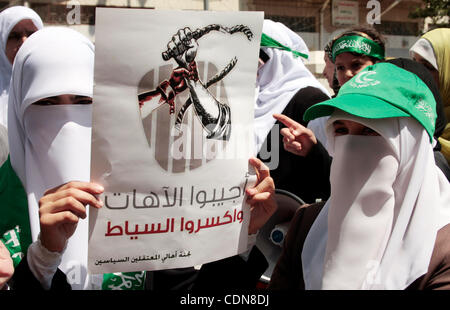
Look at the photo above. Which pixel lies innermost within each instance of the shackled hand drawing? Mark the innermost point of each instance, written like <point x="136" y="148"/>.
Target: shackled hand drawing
<point x="171" y="136"/>
<point x="214" y="115"/>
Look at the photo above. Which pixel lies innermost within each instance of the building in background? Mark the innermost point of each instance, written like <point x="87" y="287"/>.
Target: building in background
<point x="317" y="21"/>
<point x="80" y="14"/>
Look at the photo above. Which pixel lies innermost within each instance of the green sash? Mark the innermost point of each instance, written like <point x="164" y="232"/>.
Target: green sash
<point x="14" y="222"/>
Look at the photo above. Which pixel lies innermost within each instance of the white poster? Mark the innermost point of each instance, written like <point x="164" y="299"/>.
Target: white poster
<point x="172" y="134"/>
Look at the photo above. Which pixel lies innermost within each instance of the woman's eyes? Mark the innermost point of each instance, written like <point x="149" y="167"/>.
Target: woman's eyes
<point x="83" y="101"/>
<point x="339" y="131"/>
<point x="369" y="132"/>
<point x="14" y="36"/>
<point x="365" y="131"/>
<point x="356" y="66"/>
<point x="48" y="101"/>
<point x="45" y="102"/>
<point x="17" y="36"/>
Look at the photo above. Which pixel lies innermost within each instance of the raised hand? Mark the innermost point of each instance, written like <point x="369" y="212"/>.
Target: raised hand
<point x="297" y="139"/>
<point x="60" y="209"/>
<point x="260" y="197"/>
<point x="183" y="47"/>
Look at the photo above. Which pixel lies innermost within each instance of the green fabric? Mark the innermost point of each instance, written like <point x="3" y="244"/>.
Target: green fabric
<point x="124" y="281"/>
<point x="380" y="91"/>
<point x="267" y="41"/>
<point x="15" y="229"/>
<point x="11" y="239"/>
<point x="357" y="44"/>
<point x="14" y="220"/>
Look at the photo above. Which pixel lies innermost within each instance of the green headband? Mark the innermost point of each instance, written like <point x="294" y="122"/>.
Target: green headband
<point x="357" y="44"/>
<point x="269" y="42"/>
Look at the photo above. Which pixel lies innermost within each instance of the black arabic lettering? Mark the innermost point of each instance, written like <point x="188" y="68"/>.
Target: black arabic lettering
<point x="201" y="200"/>
<point x="171" y="204"/>
<point x="145" y="203"/>
<point x="238" y="192"/>
<point x="116" y="207"/>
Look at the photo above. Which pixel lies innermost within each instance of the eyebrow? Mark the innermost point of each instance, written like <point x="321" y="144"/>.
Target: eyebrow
<point x="56" y="97"/>
<point x="15" y="33"/>
<point x="357" y="59"/>
<point x="354" y="60"/>
<point x="338" y="123"/>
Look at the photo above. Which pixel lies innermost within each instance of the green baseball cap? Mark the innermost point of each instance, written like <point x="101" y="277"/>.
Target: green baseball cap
<point x="380" y="91"/>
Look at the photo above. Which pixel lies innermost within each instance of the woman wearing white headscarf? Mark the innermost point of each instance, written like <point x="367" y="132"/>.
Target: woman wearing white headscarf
<point x="50" y="124"/>
<point x="286" y="86"/>
<point x="16" y="24"/>
<point x="387" y="222"/>
<point x="433" y="51"/>
<point x="49" y="133"/>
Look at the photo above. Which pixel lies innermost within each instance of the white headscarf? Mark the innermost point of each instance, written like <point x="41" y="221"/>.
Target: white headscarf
<point x="280" y="78"/>
<point x="50" y="145"/>
<point x="388" y="200"/>
<point x="424" y="48"/>
<point x="8" y="20"/>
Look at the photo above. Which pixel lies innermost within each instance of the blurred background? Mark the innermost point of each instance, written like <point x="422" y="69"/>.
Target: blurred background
<point x="316" y="21"/>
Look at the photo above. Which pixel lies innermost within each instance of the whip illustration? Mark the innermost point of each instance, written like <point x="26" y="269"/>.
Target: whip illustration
<point x="213" y="115"/>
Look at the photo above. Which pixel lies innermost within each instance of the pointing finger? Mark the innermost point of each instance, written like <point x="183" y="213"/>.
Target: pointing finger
<point x="288" y="122"/>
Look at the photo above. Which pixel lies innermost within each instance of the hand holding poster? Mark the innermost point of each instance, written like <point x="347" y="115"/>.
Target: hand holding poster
<point x="172" y="134"/>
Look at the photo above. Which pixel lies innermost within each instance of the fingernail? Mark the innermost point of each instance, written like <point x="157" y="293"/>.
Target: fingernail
<point x="251" y="191"/>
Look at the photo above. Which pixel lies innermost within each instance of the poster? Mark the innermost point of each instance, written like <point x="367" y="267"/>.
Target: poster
<point x="171" y="136"/>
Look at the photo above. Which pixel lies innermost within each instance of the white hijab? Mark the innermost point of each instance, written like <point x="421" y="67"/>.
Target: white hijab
<point x="50" y="145"/>
<point x="388" y="200"/>
<point x="424" y="48"/>
<point x="8" y="20"/>
<point x="280" y="78"/>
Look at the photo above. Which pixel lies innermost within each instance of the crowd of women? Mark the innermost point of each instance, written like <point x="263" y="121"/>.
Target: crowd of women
<point x="376" y="154"/>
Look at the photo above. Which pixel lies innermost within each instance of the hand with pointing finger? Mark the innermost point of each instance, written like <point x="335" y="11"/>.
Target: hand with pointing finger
<point x="260" y="197"/>
<point x="297" y="139"/>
